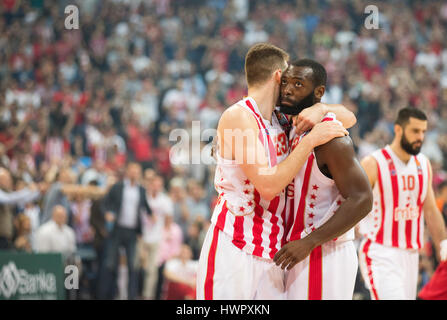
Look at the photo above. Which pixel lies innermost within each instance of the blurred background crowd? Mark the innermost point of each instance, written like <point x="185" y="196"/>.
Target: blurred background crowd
<point x="76" y="106"/>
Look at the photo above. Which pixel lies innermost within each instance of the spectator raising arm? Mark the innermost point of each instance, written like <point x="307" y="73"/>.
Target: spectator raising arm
<point x="18" y="197"/>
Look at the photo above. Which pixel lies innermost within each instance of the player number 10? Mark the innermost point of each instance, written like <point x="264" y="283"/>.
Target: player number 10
<point x="408" y="182"/>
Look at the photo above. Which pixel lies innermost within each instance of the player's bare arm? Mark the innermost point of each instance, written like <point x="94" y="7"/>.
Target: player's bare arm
<point x="309" y="117"/>
<point x="369" y="164"/>
<point x="343" y="114"/>
<point x="337" y="160"/>
<point x="434" y="221"/>
<point x="238" y="137"/>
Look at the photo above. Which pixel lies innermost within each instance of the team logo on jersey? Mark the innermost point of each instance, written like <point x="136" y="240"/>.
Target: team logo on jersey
<point x="404" y="214"/>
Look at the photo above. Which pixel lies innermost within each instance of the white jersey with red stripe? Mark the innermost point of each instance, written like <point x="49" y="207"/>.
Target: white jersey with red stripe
<point x="396" y="219"/>
<point x="312" y="198"/>
<point x="254" y="224"/>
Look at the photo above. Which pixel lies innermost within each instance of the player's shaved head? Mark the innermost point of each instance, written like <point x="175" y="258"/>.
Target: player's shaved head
<point x="318" y="74"/>
<point x="302" y="85"/>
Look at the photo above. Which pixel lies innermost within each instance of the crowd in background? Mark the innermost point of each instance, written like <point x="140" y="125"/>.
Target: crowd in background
<point x="77" y="105"/>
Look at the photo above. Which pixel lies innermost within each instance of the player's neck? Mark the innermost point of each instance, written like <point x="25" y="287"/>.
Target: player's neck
<point x="265" y="100"/>
<point x="399" y="152"/>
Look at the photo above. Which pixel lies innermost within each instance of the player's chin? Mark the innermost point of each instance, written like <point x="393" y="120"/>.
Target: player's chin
<point x="286" y="104"/>
<point x="288" y="108"/>
<point x="416" y="149"/>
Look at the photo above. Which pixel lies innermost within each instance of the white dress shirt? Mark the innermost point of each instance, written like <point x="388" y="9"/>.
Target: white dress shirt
<point x="129" y="208"/>
<point x="52" y="238"/>
<point x="161" y="205"/>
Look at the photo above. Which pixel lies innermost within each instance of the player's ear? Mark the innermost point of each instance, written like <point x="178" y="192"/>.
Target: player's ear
<point x="319" y="91"/>
<point x="277" y="76"/>
<point x="398" y="129"/>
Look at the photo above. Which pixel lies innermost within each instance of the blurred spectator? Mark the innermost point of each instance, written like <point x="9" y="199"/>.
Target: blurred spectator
<point x="441" y="199"/>
<point x="161" y="206"/>
<point x="180" y="103"/>
<point x="145" y="105"/>
<point x="140" y="143"/>
<point x="195" y="202"/>
<point x="81" y="217"/>
<point x="170" y="246"/>
<point x="193" y="239"/>
<point x="56" y="196"/>
<point x="55" y="235"/>
<point x="180" y="276"/>
<point x="22" y="238"/>
<point x="177" y="194"/>
<point x="101" y="235"/>
<point x="32" y="211"/>
<point x="62" y="189"/>
<point x="7" y="199"/>
<point x="161" y="157"/>
<point x="95" y="173"/>
<point x="123" y="205"/>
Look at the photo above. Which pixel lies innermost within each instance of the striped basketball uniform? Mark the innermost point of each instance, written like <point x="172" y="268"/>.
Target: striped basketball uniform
<point x="330" y="270"/>
<point x="246" y="230"/>
<point x="393" y="230"/>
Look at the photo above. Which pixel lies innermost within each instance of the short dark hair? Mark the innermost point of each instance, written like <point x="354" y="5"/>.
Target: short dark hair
<point x="319" y="75"/>
<point x="442" y="185"/>
<point x="404" y="115"/>
<point x="261" y="61"/>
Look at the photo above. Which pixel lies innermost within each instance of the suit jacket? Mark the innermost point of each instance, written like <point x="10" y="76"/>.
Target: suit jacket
<point x="114" y="198"/>
<point x="98" y="223"/>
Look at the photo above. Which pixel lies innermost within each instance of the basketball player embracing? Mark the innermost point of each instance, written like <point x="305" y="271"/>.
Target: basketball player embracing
<point x="253" y="169"/>
<point x="327" y="198"/>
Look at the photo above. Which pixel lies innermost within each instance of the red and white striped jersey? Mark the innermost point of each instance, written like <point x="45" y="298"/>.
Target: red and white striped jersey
<point x="396" y="219"/>
<point x="254" y="224"/>
<point x="54" y="149"/>
<point x="312" y="198"/>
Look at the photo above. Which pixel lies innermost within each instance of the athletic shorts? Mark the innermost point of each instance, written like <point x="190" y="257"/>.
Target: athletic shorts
<point x="328" y="273"/>
<point x="227" y="273"/>
<point x="389" y="273"/>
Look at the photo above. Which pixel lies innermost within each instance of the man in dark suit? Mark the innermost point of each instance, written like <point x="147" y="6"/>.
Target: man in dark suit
<point x="123" y="206"/>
